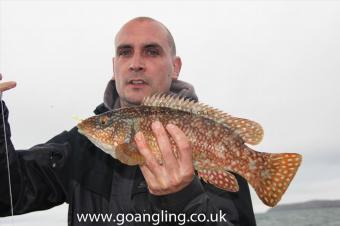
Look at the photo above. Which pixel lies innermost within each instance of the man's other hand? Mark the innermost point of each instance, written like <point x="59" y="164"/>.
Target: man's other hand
<point x="6" y="85"/>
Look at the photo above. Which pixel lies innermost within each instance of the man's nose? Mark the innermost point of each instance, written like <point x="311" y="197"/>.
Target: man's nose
<point x="137" y="64"/>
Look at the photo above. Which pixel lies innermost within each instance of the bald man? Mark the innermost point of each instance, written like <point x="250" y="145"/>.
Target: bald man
<point x="69" y="168"/>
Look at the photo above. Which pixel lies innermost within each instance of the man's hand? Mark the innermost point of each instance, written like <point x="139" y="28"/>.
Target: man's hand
<point x="174" y="173"/>
<point x="6" y="85"/>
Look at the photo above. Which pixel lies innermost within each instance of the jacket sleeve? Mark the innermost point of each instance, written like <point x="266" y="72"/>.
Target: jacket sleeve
<point x="38" y="178"/>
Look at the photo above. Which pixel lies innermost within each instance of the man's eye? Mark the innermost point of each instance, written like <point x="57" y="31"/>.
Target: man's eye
<point x="152" y="52"/>
<point x="124" y="52"/>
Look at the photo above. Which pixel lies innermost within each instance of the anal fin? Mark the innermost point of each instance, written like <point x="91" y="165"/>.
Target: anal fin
<point x="219" y="178"/>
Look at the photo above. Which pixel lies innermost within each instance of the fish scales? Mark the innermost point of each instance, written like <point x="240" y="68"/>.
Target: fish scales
<point x="218" y="143"/>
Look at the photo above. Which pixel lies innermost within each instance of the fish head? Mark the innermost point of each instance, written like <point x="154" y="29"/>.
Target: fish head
<point x="106" y="131"/>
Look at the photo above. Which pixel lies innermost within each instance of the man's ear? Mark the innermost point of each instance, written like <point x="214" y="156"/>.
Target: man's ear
<point x="177" y="63"/>
<point x="113" y="68"/>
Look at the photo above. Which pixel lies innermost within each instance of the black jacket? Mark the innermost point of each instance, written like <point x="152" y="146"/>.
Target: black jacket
<point x="69" y="168"/>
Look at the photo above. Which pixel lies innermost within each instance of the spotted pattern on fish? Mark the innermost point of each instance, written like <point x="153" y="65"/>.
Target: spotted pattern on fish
<point x="218" y="143"/>
<point x="219" y="178"/>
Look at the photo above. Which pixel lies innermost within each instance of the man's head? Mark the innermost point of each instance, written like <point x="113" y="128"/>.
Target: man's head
<point x="145" y="61"/>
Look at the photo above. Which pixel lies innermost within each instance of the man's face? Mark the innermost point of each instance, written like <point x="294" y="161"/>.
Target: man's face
<point x="144" y="63"/>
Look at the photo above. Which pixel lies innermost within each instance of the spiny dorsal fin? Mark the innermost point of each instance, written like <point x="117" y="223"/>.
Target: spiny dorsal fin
<point x="250" y="131"/>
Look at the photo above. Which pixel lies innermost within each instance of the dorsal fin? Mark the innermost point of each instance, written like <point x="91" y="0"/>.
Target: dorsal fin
<point x="250" y="131"/>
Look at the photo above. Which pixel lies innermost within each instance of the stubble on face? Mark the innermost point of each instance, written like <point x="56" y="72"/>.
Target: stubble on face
<point x="144" y="63"/>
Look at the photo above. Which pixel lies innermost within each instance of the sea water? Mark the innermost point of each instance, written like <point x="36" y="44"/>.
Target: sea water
<point x="304" y="217"/>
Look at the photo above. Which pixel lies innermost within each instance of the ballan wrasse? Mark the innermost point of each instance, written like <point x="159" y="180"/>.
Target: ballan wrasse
<point x="217" y="139"/>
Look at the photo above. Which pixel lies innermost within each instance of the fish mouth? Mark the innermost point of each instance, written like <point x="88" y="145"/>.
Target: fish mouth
<point x="107" y="148"/>
<point x="80" y="130"/>
<point x="84" y="133"/>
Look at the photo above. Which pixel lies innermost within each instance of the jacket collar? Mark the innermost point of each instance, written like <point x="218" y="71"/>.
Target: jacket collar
<point x="111" y="97"/>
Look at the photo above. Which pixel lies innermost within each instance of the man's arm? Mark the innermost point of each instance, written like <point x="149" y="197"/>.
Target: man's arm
<point x="36" y="180"/>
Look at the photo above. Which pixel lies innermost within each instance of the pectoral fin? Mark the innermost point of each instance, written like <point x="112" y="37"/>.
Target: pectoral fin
<point x="128" y="154"/>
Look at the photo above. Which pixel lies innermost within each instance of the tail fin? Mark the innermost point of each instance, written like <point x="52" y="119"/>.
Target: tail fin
<point x="274" y="179"/>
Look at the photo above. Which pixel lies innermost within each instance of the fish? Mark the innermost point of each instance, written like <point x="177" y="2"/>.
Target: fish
<point x="218" y="140"/>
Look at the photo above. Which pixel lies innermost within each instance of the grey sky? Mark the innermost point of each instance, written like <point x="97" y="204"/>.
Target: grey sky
<point x="273" y="62"/>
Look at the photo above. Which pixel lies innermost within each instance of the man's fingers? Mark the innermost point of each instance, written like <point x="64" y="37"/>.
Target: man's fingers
<point x="183" y="144"/>
<point x="156" y="184"/>
<point x="148" y="176"/>
<point x="7" y="85"/>
<point x="144" y="150"/>
<point x="175" y="174"/>
<point x="151" y="169"/>
<point x="164" y="145"/>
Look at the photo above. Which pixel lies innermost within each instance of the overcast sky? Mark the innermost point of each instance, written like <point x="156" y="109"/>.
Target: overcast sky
<point x="277" y="63"/>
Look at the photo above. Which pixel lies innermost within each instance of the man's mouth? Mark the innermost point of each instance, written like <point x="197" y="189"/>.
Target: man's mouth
<point x="137" y="82"/>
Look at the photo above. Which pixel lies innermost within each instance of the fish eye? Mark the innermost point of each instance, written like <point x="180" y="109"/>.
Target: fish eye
<point x="103" y="120"/>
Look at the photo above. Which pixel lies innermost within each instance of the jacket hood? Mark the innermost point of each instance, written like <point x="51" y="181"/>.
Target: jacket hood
<point x="111" y="97"/>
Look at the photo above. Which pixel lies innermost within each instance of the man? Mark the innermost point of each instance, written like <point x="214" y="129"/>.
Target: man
<point x="69" y="168"/>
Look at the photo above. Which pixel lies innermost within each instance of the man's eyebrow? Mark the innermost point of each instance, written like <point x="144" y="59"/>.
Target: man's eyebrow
<point x="145" y="46"/>
<point x="154" y="45"/>
<point x="123" y="46"/>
